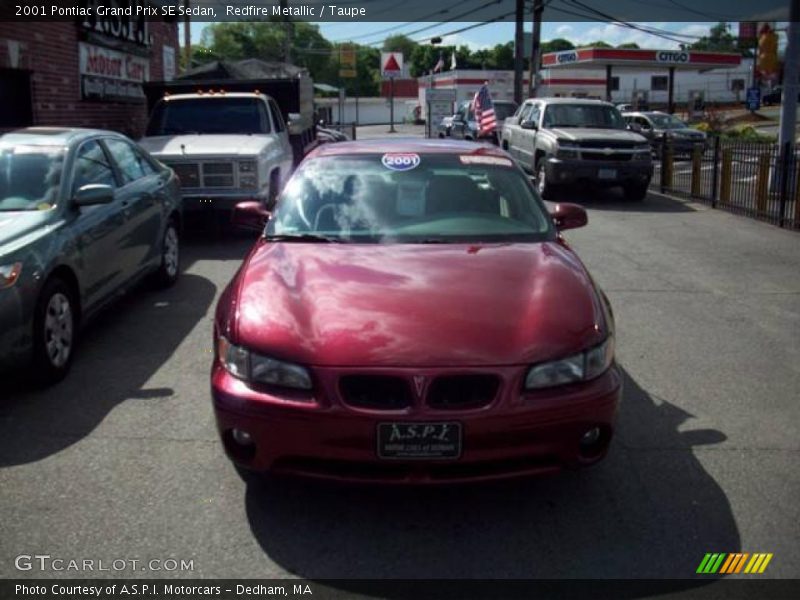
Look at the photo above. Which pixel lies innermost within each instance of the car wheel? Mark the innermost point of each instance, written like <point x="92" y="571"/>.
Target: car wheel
<point x="54" y="331"/>
<point x="169" y="269"/>
<point x="543" y="186"/>
<point x="636" y="193"/>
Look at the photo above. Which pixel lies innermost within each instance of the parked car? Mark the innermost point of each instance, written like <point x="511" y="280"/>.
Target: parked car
<point x="568" y="140"/>
<point x="624" y="107"/>
<point x="412" y="313"/>
<point x="224" y="147"/>
<point x="327" y="135"/>
<point x="84" y="215"/>
<point x="774" y="96"/>
<point x="464" y="126"/>
<point x="444" y="126"/>
<point x="662" y="128"/>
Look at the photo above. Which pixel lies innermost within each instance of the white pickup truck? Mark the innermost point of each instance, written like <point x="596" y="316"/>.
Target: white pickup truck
<point x="225" y="147"/>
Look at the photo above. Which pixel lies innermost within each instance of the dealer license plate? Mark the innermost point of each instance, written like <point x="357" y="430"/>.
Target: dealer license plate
<point x="419" y="440"/>
<point x="606" y="173"/>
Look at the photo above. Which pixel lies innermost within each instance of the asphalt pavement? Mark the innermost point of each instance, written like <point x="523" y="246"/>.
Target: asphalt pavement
<point x="122" y="460"/>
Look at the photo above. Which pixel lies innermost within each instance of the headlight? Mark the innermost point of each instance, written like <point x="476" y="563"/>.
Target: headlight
<point x="567" y="152"/>
<point x="9" y="274"/>
<point x="579" y="367"/>
<point x="250" y="366"/>
<point x="248" y="181"/>
<point x="642" y="153"/>
<point x="247" y="166"/>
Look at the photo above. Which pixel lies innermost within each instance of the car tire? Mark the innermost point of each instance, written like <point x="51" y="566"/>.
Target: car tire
<point x="546" y="189"/>
<point x="636" y="192"/>
<point x="55" y="331"/>
<point x="169" y="268"/>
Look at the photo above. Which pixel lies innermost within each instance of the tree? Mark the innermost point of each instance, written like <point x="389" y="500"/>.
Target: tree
<point x="597" y="44"/>
<point x="629" y="46"/>
<point x="719" y="39"/>
<point x="557" y="45"/>
<point x="400" y="43"/>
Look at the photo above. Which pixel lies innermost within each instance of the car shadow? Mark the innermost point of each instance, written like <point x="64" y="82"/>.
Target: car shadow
<point x="650" y="510"/>
<point x="117" y="354"/>
<point x="611" y="199"/>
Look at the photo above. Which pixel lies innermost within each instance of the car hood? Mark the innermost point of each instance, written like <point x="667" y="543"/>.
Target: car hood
<point x="581" y="134"/>
<point x="688" y="132"/>
<point x="22" y="227"/>
<point x="415" y="305"/>
<point x="198" y="146"/>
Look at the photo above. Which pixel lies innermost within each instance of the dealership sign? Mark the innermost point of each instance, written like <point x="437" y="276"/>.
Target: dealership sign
<point x="566" y="57"/>
<point x="110" y="74"/>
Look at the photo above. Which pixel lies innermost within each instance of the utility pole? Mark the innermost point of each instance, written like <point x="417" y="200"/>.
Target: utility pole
<point x="791" y="69"/>
<point x="518" y="51"/>
<point x="287" y="39"/>
<point x="533" y="70"/>
<point x="187" y="37"/>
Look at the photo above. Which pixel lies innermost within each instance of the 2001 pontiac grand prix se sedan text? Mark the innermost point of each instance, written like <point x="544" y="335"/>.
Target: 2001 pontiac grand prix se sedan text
<point x="413" y="316"/>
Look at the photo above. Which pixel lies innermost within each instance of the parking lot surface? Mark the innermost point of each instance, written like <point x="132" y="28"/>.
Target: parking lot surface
<point x="122" y="460"/>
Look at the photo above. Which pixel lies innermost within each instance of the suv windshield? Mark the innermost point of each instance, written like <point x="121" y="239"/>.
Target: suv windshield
<point x="30" y="176"/>
<point x="503" y="110"/>
<point x="209" y="115"/>
<point x="583" y="115"/>
<point x="384" y="199"/>
<point x="667" y="122"/>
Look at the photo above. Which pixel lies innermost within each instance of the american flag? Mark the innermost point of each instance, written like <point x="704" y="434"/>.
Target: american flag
<point x="439" y="65"/>
<point x="484" y="111"/>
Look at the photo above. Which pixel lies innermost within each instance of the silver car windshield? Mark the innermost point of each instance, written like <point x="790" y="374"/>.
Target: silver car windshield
<point x="583" y="115"/>
<point x="30" y="176"/>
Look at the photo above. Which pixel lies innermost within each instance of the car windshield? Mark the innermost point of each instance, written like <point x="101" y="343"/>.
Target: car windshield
<point x="667" y="122"/>
<point x="209" y="115"/>
<point x="409" y="198"/>
<point x="583" y="115"/>
<point x="30" y="176"/>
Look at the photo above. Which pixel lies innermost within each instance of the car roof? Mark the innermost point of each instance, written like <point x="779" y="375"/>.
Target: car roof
<point x="559" y="100"/>
<point x="49" y="136"/>
<point x="415" y="145"/>
<point x="211" y="94"/>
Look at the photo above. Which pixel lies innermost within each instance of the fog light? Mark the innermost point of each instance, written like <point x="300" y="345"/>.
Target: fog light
<point x="588" y="438"/>
<point x="242" y="437"/>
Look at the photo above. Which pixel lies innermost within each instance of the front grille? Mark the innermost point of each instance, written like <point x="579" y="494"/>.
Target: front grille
<point x="603" y="156"/>
<point x="375" y="391"/>
<point x="188" y="173"/>
<point x="607" y="144"/>
<point x="218" y="174"/>
<point x="463" y="391"/>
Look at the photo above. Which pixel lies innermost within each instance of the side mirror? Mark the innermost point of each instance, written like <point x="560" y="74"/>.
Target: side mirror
<point x="568" y="216"/>
<point x="528" y="124"/>
<point x="250" y="215"/>
<point x="92" y="194"/>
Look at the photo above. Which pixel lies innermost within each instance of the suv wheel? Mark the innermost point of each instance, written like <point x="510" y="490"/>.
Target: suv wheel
<point x="636" y="192"/>
<point x="54" y="331"/>
<point x="543" y="186"/>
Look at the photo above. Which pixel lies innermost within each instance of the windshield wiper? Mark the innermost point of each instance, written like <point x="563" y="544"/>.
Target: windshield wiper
<point x="300" y="237"/>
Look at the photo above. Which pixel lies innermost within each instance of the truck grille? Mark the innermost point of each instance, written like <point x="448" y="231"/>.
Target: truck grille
<point x="603" y="156"/>
<point x="463" y="391"/>
<point x="375" y="391"/>
<point x="608" y="144"/>
<point x="214" y="174"/>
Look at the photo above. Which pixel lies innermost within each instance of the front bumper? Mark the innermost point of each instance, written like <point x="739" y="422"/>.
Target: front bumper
<point x="599" y="172"/>
<point x="16" y="323"/>
<point x="516" y="435"/>
<point x="194" y="200"/>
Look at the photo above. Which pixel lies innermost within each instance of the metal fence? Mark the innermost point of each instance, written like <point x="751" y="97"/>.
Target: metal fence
<point x="755" y="179"/>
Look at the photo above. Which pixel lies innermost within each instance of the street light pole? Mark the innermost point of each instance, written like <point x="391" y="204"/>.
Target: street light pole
<point x="518" y="51"/>
<point x="533" y="68"/>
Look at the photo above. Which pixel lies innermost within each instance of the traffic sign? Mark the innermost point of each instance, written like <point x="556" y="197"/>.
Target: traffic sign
<point x="753" y="100"/>
<point x="391" y="64"/>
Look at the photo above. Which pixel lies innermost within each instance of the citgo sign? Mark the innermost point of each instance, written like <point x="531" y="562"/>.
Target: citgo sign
<point x="674" y="57"/>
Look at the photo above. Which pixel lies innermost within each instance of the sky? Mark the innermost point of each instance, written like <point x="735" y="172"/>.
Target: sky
<point x="490" y="34"/>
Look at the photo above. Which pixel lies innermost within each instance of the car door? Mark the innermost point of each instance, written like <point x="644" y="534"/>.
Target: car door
<point x="527" y="143"/>
<point x="459" y="127"/>
<point x="515" y="131"/>
<point x="96" y="229"/>
<point x="279" y="126"/>
<point x="138" y="195"/>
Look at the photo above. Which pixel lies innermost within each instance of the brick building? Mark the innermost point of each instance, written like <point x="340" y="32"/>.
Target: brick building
<point x="83" y="73"/>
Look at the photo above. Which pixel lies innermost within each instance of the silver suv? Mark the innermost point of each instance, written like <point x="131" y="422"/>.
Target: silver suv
<point x="569" y="140"/>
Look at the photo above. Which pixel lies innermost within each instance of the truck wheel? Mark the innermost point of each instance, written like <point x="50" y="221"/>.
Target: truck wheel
<point x="54" y="331"/>
<point x="546" y="189"/>
<point x="636" y="192"/>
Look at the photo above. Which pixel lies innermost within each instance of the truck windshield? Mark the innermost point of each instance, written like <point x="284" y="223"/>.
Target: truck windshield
<point x="209" y="115"/>
<point x="583" y="115"/>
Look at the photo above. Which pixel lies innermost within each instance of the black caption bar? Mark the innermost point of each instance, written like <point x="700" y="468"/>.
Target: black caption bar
<point x="439" y="589"/>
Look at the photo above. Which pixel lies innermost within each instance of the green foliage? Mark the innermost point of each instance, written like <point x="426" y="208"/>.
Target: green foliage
<point x="557" y="45"/>
<point x="720" y="39"/>
<point x="629" y="46"/>
<point x="597" y="44"/>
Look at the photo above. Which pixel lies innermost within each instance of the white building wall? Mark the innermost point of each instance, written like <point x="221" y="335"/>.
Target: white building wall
<point x="367" y="111"/>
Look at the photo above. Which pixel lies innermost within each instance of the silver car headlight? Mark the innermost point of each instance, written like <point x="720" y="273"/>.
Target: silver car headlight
<point x="248" y="181"/>
<point x="642" y="152"/>
<point x="9" y="274"/>
<point x="567" y="151"/>
<point x="578" y="367"/>
<point x="253" y="367"/>
<point x="247" y="166"/>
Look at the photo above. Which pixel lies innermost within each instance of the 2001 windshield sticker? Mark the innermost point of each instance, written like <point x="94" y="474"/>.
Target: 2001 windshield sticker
<point x="400" y="161"/>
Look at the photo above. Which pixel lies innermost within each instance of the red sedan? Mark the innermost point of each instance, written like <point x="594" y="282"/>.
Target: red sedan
<point x="411" y="313"/>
